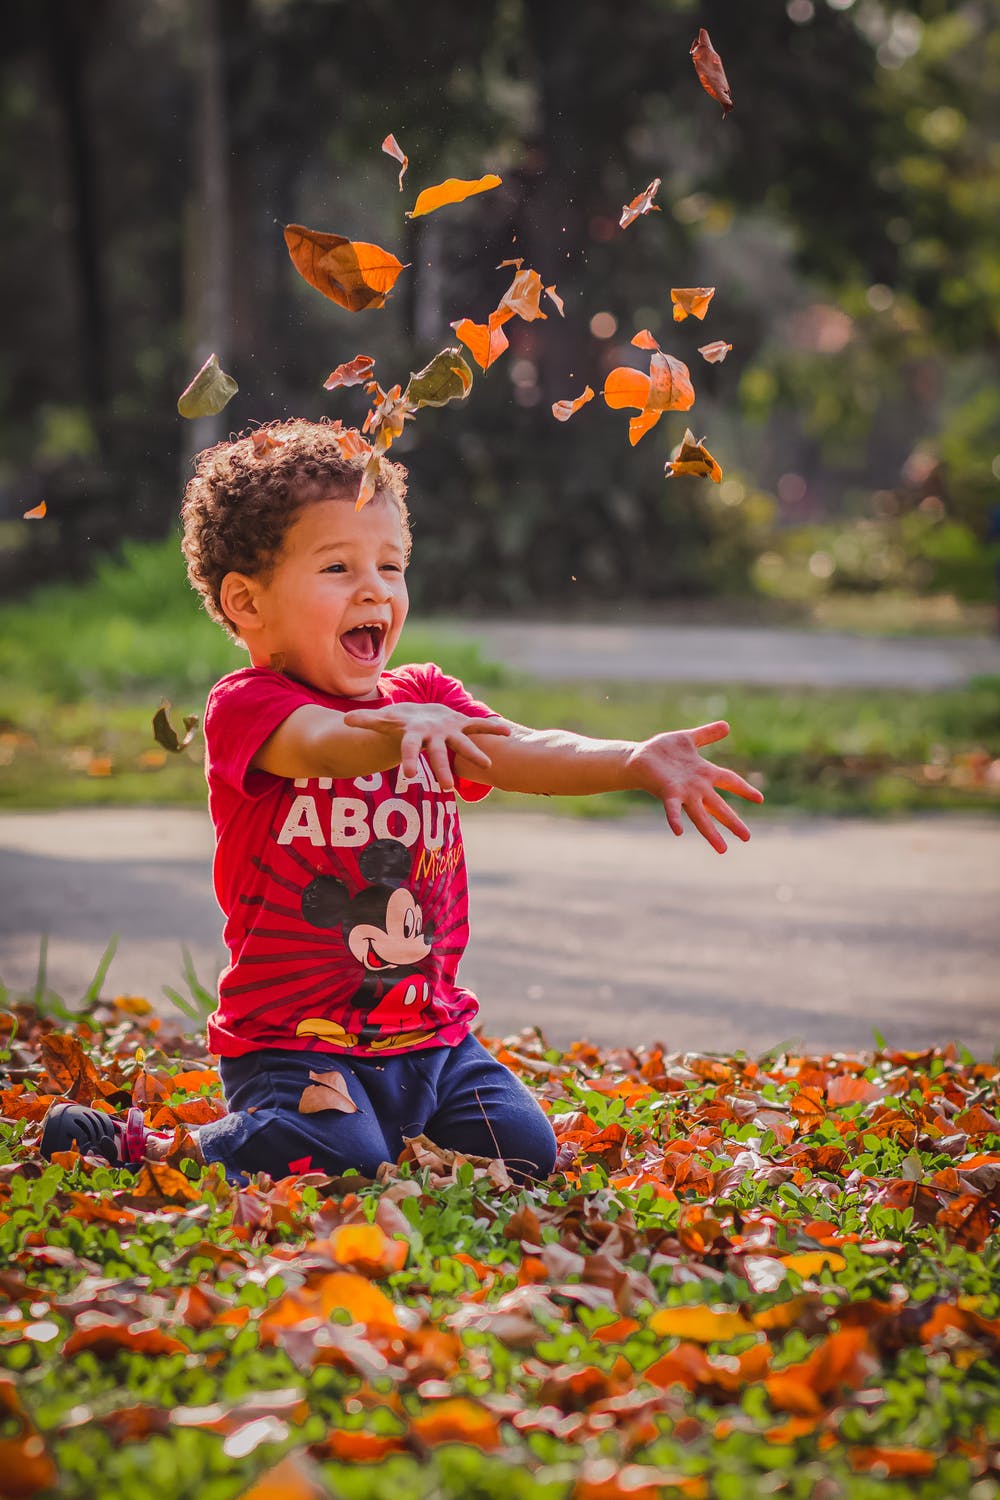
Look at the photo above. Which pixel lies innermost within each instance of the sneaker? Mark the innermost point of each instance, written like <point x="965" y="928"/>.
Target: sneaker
<point x="71" y="1127"/>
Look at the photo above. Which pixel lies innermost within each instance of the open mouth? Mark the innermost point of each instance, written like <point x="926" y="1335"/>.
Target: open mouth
<point x="364" y="642"/>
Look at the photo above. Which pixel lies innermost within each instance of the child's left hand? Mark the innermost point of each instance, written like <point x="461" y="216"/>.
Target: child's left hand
<point x="669" y="766"/>
<point x="431" y="728"/>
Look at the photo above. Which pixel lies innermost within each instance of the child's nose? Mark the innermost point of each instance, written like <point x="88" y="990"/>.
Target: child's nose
<point x="372" y="585"/>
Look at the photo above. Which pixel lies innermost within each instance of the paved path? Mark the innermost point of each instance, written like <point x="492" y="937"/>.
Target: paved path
<point x="817" y="929"/>
<point x="727" y="653"/>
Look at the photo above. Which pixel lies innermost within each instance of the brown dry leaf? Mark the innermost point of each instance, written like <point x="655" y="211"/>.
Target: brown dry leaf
<point x="265" y="442"/>
<point x="893" y="1461"/>
<point x="641" y="204"/>
<point x="692" y="457"/>
<point x="715" y="353"/>
<point x="351" y="273"/>
<point x="70" y="1069"/>
<point x="523" y="296"/>
<point x="36" y="513"/>
<point x="392" y="148"/>
<point x="355" y="372"/>
<point x="453" y="190"/>
<point x="670" y="383"/>
<point x="166" y="735"/>
<point x="210" y="390"/>
<point x="691" y="301"/>
<point x="162" y="1182"/>
<point x="644" y="340"/>
<point x="327" y="1091"/>
<point x="711" y="73"/>
<point x="485" y="341"/>
<point x="563" y="410"/>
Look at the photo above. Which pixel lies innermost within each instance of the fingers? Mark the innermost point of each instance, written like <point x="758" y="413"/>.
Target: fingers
<point x="672" y="808"/>
<point x="706" y="733"/>
<point x="701" y="820"/>
<point x="486" y="726"/>
<point x="724" y="814"/>
<point x="368" y="718"/>
<point x="469" y="749"/>
<point x="437" y="759"/>
<point x="730" y="782"/>
<point x="410" y="747"/>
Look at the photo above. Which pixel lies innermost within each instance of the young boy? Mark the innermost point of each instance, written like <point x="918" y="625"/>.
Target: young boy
<point x="342" y="1025"/>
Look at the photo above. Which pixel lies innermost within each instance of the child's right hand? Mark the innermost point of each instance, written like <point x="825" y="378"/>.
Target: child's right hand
<point x="431" y="728"/>
<point x="670" y="767"/>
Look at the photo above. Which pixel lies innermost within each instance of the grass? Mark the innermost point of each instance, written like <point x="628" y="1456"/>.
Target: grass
<point x="759" y="1274"/>
<point x="85" y="668"/>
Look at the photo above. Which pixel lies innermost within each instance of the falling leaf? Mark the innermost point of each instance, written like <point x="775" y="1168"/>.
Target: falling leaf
<point x="641" y="204"/>
<point x="485" y="341"/>
<point x="563" y="410"/>
<point x="265" y="442"/>
<point x="355" y="372"/>
<point x="523" y="296"/>
<point x="327" y="1091"/>
<point x="670" y="383"/>
<point x="715" y="353"/>
<point x="36" y="513"/>
<point x="693" y="458"/>
<point x="554" y="297"/>
<point x="711" y="73"/>
<point x="166" y="735"/>
<point x="454" y="190"/>
<point x="626" y="387"/>
<point x="644" y="340"/>
<point x="690" y="301"/>
<point x="446" y="378"/>
<point x="210" y="390"/>
<point x="351" y="273"/>
<point x="392" y="148"/>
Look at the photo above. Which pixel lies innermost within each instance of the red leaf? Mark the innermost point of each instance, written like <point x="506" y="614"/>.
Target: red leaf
<point x="351" y="273"/>
<point x="711" y="73"/>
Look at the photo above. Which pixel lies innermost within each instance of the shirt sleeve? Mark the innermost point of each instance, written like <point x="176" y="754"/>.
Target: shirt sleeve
<point x="242" y="711"/>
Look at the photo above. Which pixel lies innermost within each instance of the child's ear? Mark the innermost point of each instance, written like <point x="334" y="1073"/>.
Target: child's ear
<point x="238" y="597"/>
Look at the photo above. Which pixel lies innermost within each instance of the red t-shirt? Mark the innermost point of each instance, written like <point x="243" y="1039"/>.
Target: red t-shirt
<point x="346" y="900"/>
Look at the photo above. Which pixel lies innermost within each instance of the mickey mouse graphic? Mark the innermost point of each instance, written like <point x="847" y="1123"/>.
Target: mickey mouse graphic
<point x="384" y="930"/>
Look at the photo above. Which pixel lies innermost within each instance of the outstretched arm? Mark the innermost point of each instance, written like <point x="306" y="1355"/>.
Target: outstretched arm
<point x="668" y="766"/>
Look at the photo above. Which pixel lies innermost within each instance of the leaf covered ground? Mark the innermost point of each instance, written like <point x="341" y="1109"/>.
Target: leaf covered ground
<point x="770" y="1276"/>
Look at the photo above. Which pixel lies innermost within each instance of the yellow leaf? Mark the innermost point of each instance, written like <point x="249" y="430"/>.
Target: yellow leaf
<point x="705" y="1325"/>
<point x="454" y="190"/>
<point x="811" y="1262"/>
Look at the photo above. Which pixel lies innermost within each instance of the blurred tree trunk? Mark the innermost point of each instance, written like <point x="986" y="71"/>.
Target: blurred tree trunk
<point x="69" y="30"/>
<point x="208" y="316"/>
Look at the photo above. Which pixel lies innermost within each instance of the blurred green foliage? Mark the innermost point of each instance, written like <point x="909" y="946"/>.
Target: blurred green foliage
<point x="846" y="210"/>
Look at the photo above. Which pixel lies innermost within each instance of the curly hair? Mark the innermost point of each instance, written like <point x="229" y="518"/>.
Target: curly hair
<point x="245" y="494"/>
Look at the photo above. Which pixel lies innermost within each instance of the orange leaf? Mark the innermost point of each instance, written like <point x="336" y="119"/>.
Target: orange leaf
<point x="670" y="387"/>
<point x="711" y="73"/>
<point x="327" y="1091"/>
<point x="485" y="341"/>
<point x="892" y="1460"/>
<point x="811" y="1262"/>
<point x="844" y="1089"/>
<point x="563" y="410"/>
<point x="715" y="353"/>
<point x="35" y="513"/>
<point x="838" y="1361"/>
<point x="265" y="442"/>
<point x="392" y="148"/>
<point x="523" y="296"/>
<point x="454" y="190"/>
<point x="644" y="340"/>
<point x="351" y="273"/>
<point x="107" y="1339"/>
<point x="291" y="1479"/>
<point x="642" y="203"/>
<point x="640" y="425"/>
<point x="694" y="458"/>
<point x="554" y="297"/>
<point x="354" y="372"/>
<point x="356" y="1446"/>
<point x="195" y="1079"/>
<point x="368" y="1249"/>
<point x="25" y="1465"/>
<point x="690" y="301"/>
<point x="458" y="1420"/>
<point x="70" y="1068"/>
<point x="703" y="1324"/>
<point x="157" y="1180"/>
<point x="626" y="387"/>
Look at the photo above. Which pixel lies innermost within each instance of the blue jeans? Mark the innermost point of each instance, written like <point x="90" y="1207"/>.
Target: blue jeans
<point x="432" y="1092"/>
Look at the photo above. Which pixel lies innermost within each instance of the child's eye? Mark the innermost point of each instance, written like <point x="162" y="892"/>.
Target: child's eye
<point x="335" y="568"/>
<point x="391" y="568"/>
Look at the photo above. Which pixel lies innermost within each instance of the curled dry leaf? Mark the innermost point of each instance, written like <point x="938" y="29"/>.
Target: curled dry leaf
<point x="485" y="341"/>
<point x="563" y="410"/>
<point x="554" y="297"/>
<point x="351" y="273"/>
<point x="392" y="148"/>
<point x="210" y="390"/>
<point x="644" y="340"/>
<point x="327" y="1091"/>
<point x="166" y="735"/>
<point x="35" y="513"/>
<point x="265" y="441"/>
<point x="641" y="204"/>
<point x="446" y="378"/>
<point x="453" y="190"/>
<point x="715" y="353"/>
<point x="354" y="372"/>
<point x="667" y="387"/>
<point x="523" y="296"/>
<point x="711" y="73"/>
<point x="690" y="301"/>
<point x="692" y="457"/>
